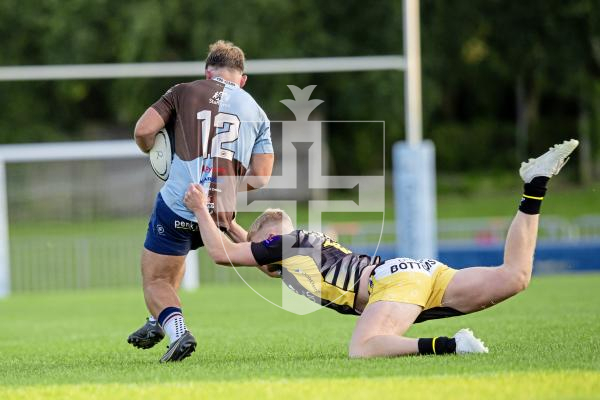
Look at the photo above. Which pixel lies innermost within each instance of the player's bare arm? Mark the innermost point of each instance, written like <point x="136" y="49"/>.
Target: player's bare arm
<point x="259" y="172"/>
<point x="146" y="129"/>
<point x="222" y="250"/>
<point x="237" y="233"/>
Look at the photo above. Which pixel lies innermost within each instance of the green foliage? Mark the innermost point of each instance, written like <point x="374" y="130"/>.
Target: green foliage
<point x="476" y="138"/>
<point x="477" y="56"/>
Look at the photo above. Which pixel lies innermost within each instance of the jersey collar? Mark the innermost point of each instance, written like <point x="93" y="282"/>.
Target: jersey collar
<point x="224" y="81"/>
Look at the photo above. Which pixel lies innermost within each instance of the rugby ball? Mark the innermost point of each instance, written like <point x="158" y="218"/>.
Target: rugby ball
<point x="161" y="156"/>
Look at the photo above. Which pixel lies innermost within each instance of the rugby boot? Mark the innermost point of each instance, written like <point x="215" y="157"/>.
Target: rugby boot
<point x="550" y="163"/>
<point x="180" y="349"/>
<point x="466" y="342"/>
<point x="147" y="336"/>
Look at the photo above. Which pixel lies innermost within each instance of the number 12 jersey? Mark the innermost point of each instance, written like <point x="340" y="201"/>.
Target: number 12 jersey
<point x="215" y="126"/>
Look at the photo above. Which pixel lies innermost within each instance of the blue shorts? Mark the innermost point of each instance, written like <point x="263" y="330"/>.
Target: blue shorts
<point x="169" y="234"/>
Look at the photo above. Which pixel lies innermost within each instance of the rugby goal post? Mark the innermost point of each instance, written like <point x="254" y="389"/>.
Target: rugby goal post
<point x="414" y="159"/>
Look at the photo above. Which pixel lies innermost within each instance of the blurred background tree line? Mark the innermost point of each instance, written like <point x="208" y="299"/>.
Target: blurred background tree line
<point x="502" y="78"/>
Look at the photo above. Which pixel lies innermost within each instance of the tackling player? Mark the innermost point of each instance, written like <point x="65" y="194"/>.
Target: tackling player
<point x="390" y="296"/>
<point x="222" y="141"/>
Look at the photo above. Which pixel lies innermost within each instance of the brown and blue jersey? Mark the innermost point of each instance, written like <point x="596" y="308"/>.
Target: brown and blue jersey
<point x="215" y="127"/>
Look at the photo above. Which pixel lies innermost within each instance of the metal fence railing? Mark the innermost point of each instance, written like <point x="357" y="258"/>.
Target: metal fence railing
<point x="88" y="259"/>
<point x="471" y="230"/>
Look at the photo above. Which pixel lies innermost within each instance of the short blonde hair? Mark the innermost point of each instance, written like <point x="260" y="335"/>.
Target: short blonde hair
<point x="270" y="216"/>
<point x="223" y="54"/>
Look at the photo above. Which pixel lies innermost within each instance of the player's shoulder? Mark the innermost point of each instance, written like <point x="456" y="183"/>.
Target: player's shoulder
<point x="262" y="114"/>
<point x="200" y="88"/>
<point x="249" y="101"/>
<point x="198" y="84"/>
<point x="179" y="87"/>
<point x="290" y="236"/>
<point x="310" y="239"/>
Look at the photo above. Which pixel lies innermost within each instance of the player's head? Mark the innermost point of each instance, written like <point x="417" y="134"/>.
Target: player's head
<point x="272" y="222"/>
<point x="227" y="61"/>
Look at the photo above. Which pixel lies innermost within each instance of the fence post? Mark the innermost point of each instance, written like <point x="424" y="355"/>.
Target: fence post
<point x="4" y="247"/>
<point x="191" y="279"/>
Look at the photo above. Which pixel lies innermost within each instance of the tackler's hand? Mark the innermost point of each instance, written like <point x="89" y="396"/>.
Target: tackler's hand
<point x="195" y="198"/>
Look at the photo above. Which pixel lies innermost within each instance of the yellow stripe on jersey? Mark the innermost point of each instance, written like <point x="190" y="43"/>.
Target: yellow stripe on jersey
<point x="308" y="274"/>
<point x="336" y="295"/>
<point x="330" y="243"/>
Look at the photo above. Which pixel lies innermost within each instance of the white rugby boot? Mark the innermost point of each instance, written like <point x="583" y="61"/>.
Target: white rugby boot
<point x="549" y="163"/>
<point x="466" y="343"/>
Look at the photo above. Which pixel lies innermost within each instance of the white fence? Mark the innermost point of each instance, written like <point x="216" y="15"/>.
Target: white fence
<point x="472" y="230"/>
<point x="61" y="261"/>
<point x="55" y="251"/>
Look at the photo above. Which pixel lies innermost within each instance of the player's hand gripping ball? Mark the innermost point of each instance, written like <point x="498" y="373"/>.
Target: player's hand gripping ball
<point x="161" y="156"/>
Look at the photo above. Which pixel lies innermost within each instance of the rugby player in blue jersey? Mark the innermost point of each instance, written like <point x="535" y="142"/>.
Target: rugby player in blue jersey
<point x="391" y="295"/>
<point x="222" y="141"/>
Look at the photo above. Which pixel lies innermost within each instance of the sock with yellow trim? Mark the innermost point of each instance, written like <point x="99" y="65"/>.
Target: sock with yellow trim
<point x="437" y="345"/>
<point x="533" y="194"/>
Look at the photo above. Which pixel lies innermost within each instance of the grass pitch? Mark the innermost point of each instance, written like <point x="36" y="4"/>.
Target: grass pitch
<point x="543" y="344"/>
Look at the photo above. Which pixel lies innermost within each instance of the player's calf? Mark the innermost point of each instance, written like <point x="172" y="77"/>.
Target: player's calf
<point x="463" y="342"/>
<point x="522" y="235"/>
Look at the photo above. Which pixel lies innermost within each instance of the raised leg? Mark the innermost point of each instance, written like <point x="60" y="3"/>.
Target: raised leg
<point x="473" y="289"/>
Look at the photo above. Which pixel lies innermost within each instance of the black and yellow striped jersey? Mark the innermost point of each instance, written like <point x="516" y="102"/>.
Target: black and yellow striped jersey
<point x="315" y="266"/>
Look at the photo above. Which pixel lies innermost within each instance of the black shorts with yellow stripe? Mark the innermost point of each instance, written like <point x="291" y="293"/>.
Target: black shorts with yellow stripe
<point x="420" y="282"/>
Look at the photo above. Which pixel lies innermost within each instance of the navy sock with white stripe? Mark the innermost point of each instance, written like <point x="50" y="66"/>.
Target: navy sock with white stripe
<point x="171" y="320"/>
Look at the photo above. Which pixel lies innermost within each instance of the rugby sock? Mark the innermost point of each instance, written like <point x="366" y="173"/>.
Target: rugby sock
<point x="171" y="320"/>
<point x="437" y="345"/>
<point x="533" y="194"/>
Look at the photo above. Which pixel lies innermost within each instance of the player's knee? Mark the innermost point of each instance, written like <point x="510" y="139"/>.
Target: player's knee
<point x="356" y="350"/>
<point x="156" y="281"/>
<point x="520" y="281"/>
<point x="523" y="281"/>
<point x="362" y="349"/>
<point x="158" y="274"/>
<point x="355" y="353"/>
<point x="515" y="280"/>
